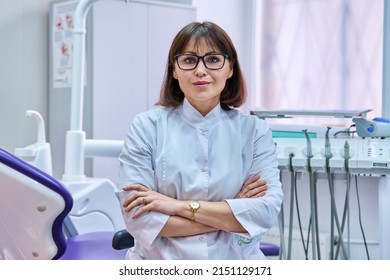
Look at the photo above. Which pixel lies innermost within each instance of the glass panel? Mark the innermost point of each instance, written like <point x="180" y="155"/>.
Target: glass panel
<point x="322" y="55"/>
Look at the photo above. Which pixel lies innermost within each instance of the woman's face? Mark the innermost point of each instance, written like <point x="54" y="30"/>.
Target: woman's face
<point x="202" y="87"/>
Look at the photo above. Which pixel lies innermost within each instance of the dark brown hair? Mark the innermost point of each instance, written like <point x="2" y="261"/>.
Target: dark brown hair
<point x="234" y="93"/>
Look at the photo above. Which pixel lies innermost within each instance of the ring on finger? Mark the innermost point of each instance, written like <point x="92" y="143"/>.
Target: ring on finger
<point x="144" y="200"/>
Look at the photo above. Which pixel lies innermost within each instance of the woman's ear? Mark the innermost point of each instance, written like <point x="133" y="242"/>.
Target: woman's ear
<point x="230" y="74"/>
<point x="174" y="75"/>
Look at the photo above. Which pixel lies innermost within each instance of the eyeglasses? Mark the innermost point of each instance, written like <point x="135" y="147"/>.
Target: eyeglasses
<point x="210" y="61"/>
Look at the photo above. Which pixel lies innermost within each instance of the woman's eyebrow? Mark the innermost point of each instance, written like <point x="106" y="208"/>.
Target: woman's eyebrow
<point x="189" y="52"/>
<point x="194" y="53"/>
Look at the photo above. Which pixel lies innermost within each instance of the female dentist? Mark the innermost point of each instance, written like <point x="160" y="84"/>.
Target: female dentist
<point x="200" y="179"/>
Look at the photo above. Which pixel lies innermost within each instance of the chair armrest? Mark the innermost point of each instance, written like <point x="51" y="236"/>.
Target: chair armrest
<point x="122" y="240"/>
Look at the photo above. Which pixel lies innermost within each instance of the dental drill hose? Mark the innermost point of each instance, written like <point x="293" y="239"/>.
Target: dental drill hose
<point x="334" y="215"/>
<point x="313" y="200"/>
<point x="293" y="189"/>
<point x="346" y="203"/>
<point x="282" y="251"/>
<point x="328" y="155"/>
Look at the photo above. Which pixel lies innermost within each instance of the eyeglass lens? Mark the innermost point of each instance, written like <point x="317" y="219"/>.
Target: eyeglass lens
<point x="211" y="61"/>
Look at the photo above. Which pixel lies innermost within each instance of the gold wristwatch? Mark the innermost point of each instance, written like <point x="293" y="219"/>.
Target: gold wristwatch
<point x="194" y="205"/>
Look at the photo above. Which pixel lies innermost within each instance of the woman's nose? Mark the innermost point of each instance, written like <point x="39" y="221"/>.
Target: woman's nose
<point x="201" y="69"/>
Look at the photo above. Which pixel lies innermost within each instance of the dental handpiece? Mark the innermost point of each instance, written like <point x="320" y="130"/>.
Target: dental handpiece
<point x="328" y="152"/>
<point x="308" y="142"/>
<point x="346" y="153"/>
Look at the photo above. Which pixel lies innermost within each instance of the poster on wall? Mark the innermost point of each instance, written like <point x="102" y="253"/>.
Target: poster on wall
<point x="62" y="42"/>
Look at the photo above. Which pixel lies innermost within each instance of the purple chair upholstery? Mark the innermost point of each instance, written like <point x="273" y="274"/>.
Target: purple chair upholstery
<point x="269" y="249"/>
<point x="33" y="208"/>
<point x="92" y="246"/>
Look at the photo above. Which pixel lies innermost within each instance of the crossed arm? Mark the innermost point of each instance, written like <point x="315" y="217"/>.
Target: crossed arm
<point x="211" y="216"/>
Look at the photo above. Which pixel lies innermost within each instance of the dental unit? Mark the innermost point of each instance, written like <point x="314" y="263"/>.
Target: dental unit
<point x="340" y="159"/>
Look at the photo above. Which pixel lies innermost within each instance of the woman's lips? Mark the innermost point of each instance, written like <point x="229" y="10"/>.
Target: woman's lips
<point x="201" y="83"/>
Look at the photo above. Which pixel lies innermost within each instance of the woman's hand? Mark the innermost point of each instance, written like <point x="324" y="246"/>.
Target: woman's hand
<point x="253" y="187"/>
<point x="149" y="200"/>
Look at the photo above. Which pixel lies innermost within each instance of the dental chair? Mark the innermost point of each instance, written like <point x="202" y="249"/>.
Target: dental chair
<point x="34" y="222"/>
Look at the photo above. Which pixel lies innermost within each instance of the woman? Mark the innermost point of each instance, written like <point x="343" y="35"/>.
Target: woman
<point x="190" y="168"/>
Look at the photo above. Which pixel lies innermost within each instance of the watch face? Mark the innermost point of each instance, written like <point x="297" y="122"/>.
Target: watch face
<point x="194" y="205"/>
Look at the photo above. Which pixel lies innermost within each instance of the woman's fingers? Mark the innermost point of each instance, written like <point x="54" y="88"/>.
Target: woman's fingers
<point x="142" y="210"/>
<point x="253" y="187"/>
<point x="251" y="180"/>
<point x="136" y="197"/>
<point x="258" y="191"/>
<point x="150" y="201"/>
<point x="247" y="183"/>
<point x="135" y="187"/>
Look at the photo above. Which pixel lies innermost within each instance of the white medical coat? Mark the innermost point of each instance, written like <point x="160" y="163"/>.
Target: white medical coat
<point x="180" y="153"/>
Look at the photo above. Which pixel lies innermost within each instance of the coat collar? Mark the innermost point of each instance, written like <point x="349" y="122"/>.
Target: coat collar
<point x="192" y="115"/>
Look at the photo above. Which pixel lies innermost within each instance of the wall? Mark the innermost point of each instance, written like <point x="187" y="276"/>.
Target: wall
<point x="24" y="59"/>
<point x="23" y="69"/>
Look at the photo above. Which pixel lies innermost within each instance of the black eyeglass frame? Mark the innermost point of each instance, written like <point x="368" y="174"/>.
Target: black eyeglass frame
<point x="201" y="57"/>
